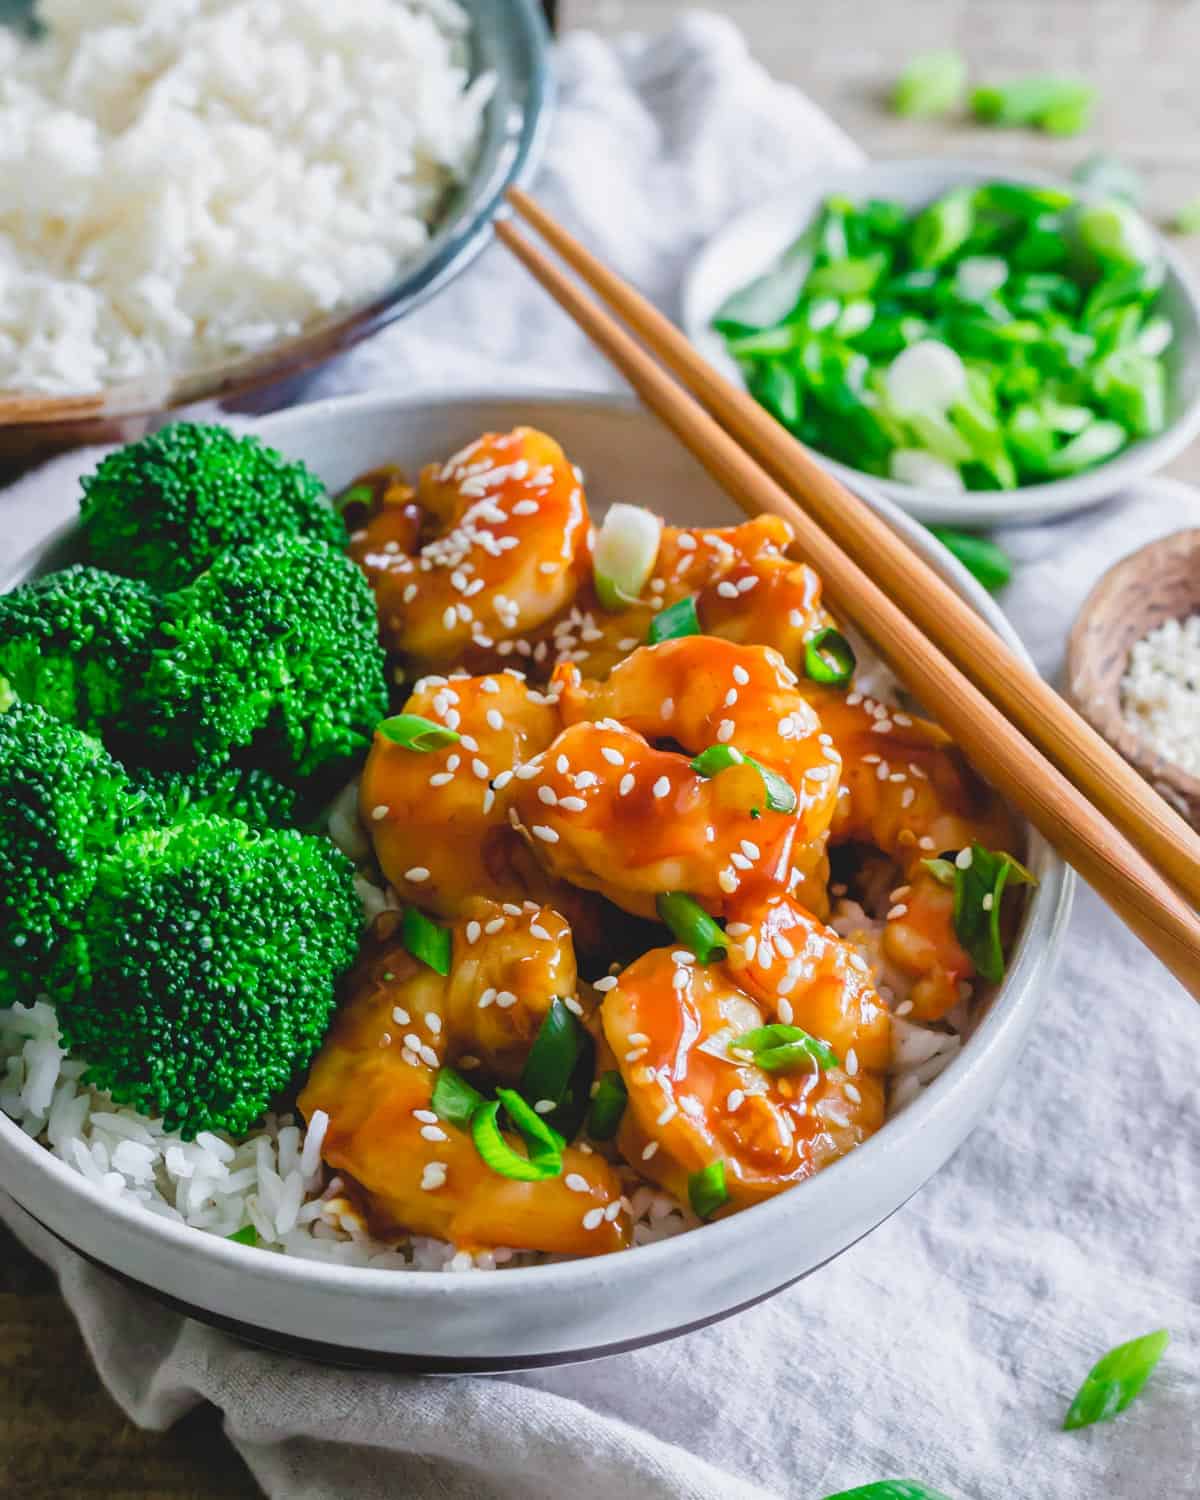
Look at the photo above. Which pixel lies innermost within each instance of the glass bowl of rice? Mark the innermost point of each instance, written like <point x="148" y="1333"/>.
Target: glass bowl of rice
<point x="207" y="202"/>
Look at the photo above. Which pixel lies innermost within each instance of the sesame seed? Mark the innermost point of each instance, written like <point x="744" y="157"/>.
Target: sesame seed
<point x="661" y="787"/>
<point x="547" y="835"/>
<point x="681" y="978"/>
<point x="593" y="1218"/>
<point x="486" y="998"/>
<point x="527" y="772"/>
<point x="852" y="1093"/>
<point x="613" y="757"/>
<point x="751" y="849"/>
<point x="851" y="1062"/>
<point x="379" y="812"/>
<point x="453" y="762"/>
<point x="433" y="1133"/>
<point x="410" y="593"/>
<point x="481" y="769"/>
<point x="784" y="1007"/>
<point x="548" y="795"/>
<point x="417" y="874"/>
<point x="449" y="617"/>
<point x="572" y="1004"/>
<point x="489" y="684"/>
<point x="609" y="982"/>
<point x="725" y="731"/>
<point x="431" y="1060"/>
<point x="502" y="780"/>
<point x="739" y="862"/>
<point x="495" y="718"/>
<point x="737" y="929"/>
<point x="426" y="1116"/>
<point x="634" y="1053"/>
<point x="576" y="1182"/>
<point x="442" y="778"/>
<point x="538" y="931"/>
<point x="493" y="926"/>
<point x="625" y="786"/>
<point x="489" y="800"/>
<point x="513" y="910"/>
<point x="400" y="1016"/>
<point x="473" y="931"/>
<point x="731" y="697"/>
<point x="505" y="999"/>
<point x="785" y="946"/>
<point x="668" y="1113"/>
<point x="572" y="804"/>
<point x="667" y="708"/>
<point x="963" y="858"/>
<point x="433" y="1176"/>
<point x="896" y="912"/>
<point x="562" y="765"/>
<point x="734" y="1102"/>
<point x="686" y="543"/>
<point x="728" y="882"/>
<point x="988" y="901"/>
<point x="727" y="590"/>
<point x="547" y="568"/>
<point x="648" y="1151"/>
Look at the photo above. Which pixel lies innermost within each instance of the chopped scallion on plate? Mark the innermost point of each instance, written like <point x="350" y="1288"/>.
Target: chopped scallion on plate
<point x="543" y="1141"/>
<point x="608" y="1106"/>
<point x="707" y="1191"/>
<point x="829" y="658"/>
<point x="426" y="939"/>
<point x="676" y="620"/>
<point x="626" y="551"/>
<point x="247" y="1235"/>
<point x="692" y="925"/>
<point x="783" y="1049"/>
<point x="979" y="878"/>
<point x="496" y="1153"/>
<point x="982" y="558"/>
<point x="454" y="1099"/>
<point x="415" y="732"/>
<point x="781" y="796"/>
<point x="890" y="1489"/>
<point x="553" y="1055"/>
<point x="1114" y="1381"/>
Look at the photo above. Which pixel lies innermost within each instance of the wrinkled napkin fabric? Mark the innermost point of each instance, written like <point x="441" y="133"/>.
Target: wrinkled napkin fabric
<point x="947" y="1345"/>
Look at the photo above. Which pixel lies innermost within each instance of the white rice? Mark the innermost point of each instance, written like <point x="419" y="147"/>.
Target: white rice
<point x="183" y="181"/>
<point x="1160" y="692"/>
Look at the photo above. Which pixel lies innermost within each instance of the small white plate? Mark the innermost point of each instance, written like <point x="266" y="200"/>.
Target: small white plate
<point x="748" y="245"/>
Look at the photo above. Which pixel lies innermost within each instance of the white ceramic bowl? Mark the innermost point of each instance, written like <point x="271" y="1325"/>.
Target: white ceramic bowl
<point x="446" y="1321"/>
<point x="751" y="242"/>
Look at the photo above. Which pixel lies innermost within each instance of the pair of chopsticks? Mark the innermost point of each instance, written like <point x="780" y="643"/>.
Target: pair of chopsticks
<point x="1034" y="749"/>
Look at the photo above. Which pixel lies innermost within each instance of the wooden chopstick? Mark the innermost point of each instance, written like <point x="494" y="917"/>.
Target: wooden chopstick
<point x="1042" y="716"/>
<point x="1121" y="875"/>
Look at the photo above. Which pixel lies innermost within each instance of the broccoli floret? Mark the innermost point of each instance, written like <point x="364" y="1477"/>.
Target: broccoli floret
<point x="63" y="801"/>
<point x="202" y="974"/>
<point x="164" y="508"/>
<point x="73" y="642"/>
<point x="252" y="796"/>
<point x="275" y="650"/>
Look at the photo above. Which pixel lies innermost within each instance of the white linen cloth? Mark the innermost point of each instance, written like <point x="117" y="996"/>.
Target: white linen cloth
<point x="948" y="1344"/>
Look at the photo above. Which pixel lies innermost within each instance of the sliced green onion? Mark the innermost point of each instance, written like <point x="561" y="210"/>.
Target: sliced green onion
<point x="979" y="887"/>
<point x="544" y="1142"/>
<point x="247" y="1235"/>
<point x="829" y="657"/>
<point x="1115" y="1380"/>
<point x="571" y="1111"/>
<point x="626" y="551"/>
<point x="927" y="378"/>
<point x="1062" y="106"/>
<point x="930" y="85"/>
<point x="1114" y="232"/>
<point x="1107" y="175"/>
<point x="781" y="1049"/>
<point x="890" y="1489"/>
<point x="1187" y="218"/>
<point x="499" y="1156"/>
<point x="426" y="939"/>
<point x="707" y="1191"/>
<point x="915" y="466"/>
<point x="357" y="494"/>
<point x="454" y="1099"/>
<point x="781" y="796"/>
<point x="1093" y="445"/>
<point x="692" y="925"/>
<point x="416" y="733"/>
<point x="676" y="620"/>
<point x="942" y="228"/>
<point x="608" y="1107"/>
<point x="553" y="1055"/>
<point x="942" y="870"/>
<point x="990" y="564"/>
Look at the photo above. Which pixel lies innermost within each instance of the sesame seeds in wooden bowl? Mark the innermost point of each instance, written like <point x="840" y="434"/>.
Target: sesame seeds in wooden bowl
<point x="1140" y="701"/>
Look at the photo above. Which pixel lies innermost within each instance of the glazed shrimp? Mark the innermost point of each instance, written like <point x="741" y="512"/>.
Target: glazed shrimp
<point x="745" y="588"/>
<point x="375" y="1075"/>
<point x="504" y="533"/>
<point x="692" y="1101"/>
<point x="609" y="810"/>
<point x="439" y="820"/>
<point x="909" y="792"/>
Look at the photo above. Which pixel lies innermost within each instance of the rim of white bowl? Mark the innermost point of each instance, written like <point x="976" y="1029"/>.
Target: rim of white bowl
<point x="1027" y="503"/>
<point x="1014" y="1004"/>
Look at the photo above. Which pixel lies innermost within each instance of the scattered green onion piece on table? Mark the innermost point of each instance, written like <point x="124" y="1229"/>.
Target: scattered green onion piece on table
<point x="553" y="1055"/>
<point x="781" y="795"/>
<point x="1062" y="106"/>
<point x="426" y="939"/>
<point x="496" y="1153"/>
<point x="1116" y="1379"/>
<point x="890" y="1489"/>
<point x="454" y="1099"/>
<point x="932" y="84"/>
<point x="707" y="1191"/>
<point x="982" y="558"/>
<point x="1187" y="217"/>
<point x="414" y="732"/>
<point x="782" y="1049"/>
<point x="544" y="1142"/>
<point x="676" y="620"/>
<point x="247" y="1235"/>
<point x="626" y="551"/>
<point x="608" y="1106"/>
<point x="692" y="925"/>
<point x="829" y="658"/>
<point x="979" y="887"/>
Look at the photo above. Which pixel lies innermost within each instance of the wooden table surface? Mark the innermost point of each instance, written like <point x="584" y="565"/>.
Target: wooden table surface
<point x="60" y="1435"/>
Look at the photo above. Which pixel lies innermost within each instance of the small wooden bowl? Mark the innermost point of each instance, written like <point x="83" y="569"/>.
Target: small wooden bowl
<point x="1159" y="582"/>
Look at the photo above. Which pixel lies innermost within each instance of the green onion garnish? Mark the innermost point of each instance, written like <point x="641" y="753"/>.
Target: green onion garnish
<point x="942" y="870"/>
<point x="782" y="1049"/>
<point x="1115" y="1380"/>
<point x="829" y="657"/>
<point x="890" y="1489"/>
<point x="571" y="1111"/>
<point x="990" y="564"/>
<point x="625" y="554"/>
<point x="426" y="939"/>
<point x="707" y="1191"/>
<point x="499" y="1156"/>
<point x="979" y="886"/>
<point x="416" y="733"/>
<point x="781" y="796"/>
<point x="544" y="1142"/>
<point x="931" y="85"/>
<point x="552" y="1057"/>
<point x="357" y="494"/>
<point x="692" y="925"/>
<point x="608" y="1107"/>
<point x="454" y="1099"/>
<point x="247" y="1235"/>
<point x="676" y="620"/>
<point x="1187" y="218"/>
<point x="1062" y="106"/>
